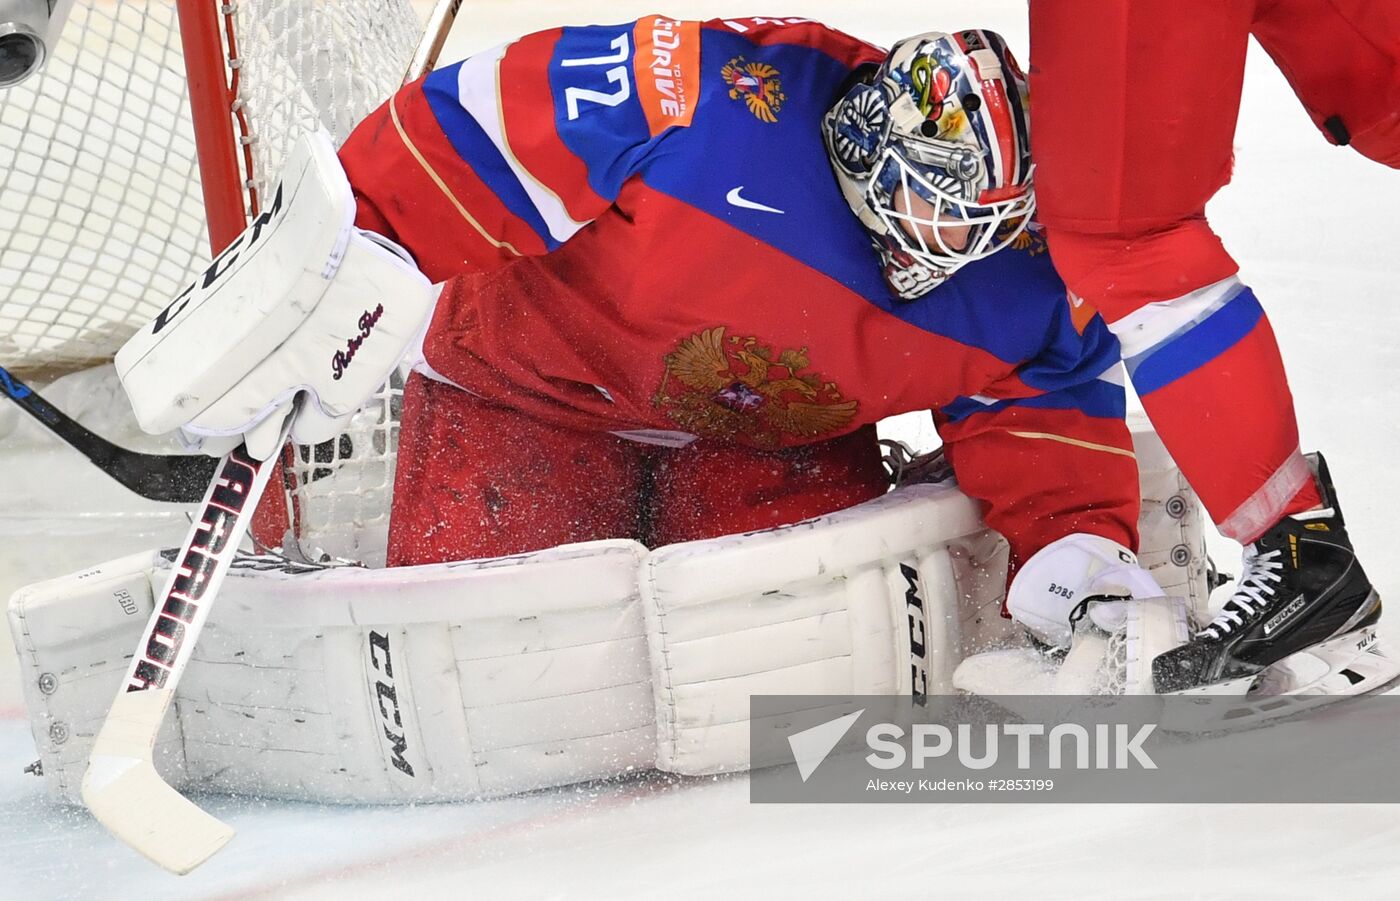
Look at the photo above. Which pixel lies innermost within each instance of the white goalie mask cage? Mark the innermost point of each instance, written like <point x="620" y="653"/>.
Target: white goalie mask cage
<point x="933" y="154"/>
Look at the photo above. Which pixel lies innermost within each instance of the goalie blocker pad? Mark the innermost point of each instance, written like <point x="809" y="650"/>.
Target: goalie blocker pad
<point x="482" y="678"/>
<point x="300" y="302"/>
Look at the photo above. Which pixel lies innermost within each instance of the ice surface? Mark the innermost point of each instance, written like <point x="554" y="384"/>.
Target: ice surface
<point x="1314" y="227"/>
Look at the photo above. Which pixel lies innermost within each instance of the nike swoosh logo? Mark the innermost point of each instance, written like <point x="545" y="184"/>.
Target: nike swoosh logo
<point x="735" y="200"/>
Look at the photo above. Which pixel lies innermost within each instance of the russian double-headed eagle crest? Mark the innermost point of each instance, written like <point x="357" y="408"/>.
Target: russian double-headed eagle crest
<point x="758" y="84"/>
<point x="736" y="388"/>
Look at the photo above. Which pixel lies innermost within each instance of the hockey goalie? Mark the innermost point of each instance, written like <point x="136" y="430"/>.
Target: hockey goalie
<point x="658" y="282"/>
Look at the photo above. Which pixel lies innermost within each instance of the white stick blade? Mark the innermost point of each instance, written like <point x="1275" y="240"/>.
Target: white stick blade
<point x="123" y="790"/>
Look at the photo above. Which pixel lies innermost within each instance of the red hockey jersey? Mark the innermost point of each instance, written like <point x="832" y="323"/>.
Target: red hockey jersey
<point x="641" y="233"/>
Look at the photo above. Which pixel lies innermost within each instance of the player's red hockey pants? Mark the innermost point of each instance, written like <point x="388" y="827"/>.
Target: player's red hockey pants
<point x="476" y="479"/>
<point x="1135" y="103"/>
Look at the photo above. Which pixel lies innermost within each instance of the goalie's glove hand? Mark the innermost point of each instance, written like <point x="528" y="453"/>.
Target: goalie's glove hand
<point x="1051" y="587"/>
<point x="302" y="308"/>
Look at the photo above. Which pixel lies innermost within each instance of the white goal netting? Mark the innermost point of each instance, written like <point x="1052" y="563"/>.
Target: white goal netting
<point x="99" y="189"/>
<point x="102" y="209"/>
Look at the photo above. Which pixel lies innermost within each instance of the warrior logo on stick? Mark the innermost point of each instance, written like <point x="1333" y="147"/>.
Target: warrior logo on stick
<point x="180" y="605"/>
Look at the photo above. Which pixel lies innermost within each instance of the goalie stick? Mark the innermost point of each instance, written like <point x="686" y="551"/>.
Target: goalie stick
<point x="176" y="479"/>
<point x="121" y="786"/>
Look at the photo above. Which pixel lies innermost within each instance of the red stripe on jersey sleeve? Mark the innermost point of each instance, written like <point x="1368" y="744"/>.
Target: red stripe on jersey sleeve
<point x="527" y="105"/>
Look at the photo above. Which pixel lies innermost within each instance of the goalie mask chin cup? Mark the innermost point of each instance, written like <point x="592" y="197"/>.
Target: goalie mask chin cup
<point x="932" y="152"/>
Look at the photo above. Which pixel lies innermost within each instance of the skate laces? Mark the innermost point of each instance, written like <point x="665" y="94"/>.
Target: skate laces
<point x="1256" y="588"/>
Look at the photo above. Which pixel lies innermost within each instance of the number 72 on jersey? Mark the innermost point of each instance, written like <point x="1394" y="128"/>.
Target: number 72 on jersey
<point x="616" y="75"/>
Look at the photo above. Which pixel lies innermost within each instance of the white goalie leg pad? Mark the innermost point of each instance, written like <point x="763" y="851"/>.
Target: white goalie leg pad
<point x="301" y="303"/>
<point x="490" y="677"/>
<point x="432" y="683"/>
<point x="74" y="637"/>
<point x="883" y="598"/>
<point x="453" y="681"/>
<point x="1171" y="525"/>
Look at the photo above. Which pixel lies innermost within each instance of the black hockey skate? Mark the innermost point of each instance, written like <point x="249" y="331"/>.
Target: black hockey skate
<point x="1302" y="589"/>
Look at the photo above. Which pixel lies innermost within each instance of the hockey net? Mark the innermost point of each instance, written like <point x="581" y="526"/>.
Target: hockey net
<point x="123" y="157"/>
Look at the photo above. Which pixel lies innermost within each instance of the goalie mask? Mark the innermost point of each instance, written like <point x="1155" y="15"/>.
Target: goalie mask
<point x="933" y="154"/>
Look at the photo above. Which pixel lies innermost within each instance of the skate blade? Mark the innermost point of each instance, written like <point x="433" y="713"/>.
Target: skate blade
<point x="1240" y="686"/>
<point x="1353" y="664"/>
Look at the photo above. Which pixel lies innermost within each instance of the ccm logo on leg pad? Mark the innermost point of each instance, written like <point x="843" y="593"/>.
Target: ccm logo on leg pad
<point x="395" y="735"/>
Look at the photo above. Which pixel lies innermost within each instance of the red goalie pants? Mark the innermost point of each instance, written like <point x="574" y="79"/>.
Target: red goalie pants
<point x="1135" y="109"/>
<point x="476" y="479"/>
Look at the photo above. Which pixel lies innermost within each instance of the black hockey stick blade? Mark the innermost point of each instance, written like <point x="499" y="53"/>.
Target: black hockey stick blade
<point x="177" y="479"/>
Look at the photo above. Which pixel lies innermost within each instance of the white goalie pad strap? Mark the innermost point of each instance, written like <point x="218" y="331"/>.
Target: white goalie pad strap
<point x="302" y="301"/>
<point x="433" y="683"/>
<point x="1120" y="662"/>
<point x="879" y="599"/>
